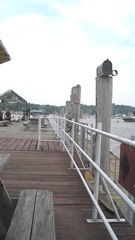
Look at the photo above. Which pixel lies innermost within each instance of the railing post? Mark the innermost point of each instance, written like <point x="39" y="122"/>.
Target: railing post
<point x="39" y="132"/>
<point x="72" y="144"/>
<point x="63" y="133"/>
<point x="57" y="127"/>
<point x="96" y="178"/>
<point x="54" y="124"/>
<point x="81" y="138"/>
<point x="91" y="147"/>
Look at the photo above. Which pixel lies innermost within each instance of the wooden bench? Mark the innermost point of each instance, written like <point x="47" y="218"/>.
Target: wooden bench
<point x="27" y="125"/>
<point x="33" y="218"/>
<point x="45" y="122"/>
<point x="4" y="123"/>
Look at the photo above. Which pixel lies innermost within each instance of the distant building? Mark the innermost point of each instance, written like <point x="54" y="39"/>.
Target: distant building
<point x="4" y="56"/>
<point x="11" y="97"/>
<point x="34" y="113"/>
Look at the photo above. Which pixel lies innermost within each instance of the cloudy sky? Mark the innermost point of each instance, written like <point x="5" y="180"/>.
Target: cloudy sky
<point x="57" y="44"/>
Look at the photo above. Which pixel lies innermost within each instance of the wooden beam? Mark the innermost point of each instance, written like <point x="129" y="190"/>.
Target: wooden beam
<point x="6" y="206"/>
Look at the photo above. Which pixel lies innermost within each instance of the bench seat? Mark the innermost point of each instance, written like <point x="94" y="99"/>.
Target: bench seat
<point x="27" y="125"/>
<point x="33" y="218"/>
<point x="4" y="123"/>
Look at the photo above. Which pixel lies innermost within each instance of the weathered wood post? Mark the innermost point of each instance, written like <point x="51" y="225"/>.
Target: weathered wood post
<point x="62" y="111"/>
<point x="68" y="108"/>
<point x="104" y="85"/>
<point x="68" y="115"/>
<point x="75" y="98"/>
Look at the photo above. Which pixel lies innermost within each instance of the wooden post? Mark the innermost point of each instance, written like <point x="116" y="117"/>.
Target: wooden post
<point x="62" y="111"/>
<point x="68" y="109"/>
<point x="69" y="116"/>
<point x="103" y="115"/>
<point x="75" y="98"/>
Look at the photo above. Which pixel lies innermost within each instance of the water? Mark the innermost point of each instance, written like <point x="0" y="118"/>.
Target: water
<point x="119" y="128"/>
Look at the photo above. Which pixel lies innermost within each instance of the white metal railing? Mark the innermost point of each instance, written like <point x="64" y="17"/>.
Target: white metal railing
<point x="67" y="141"/>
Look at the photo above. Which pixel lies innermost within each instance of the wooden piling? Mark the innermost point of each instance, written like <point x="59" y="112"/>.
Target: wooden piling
<point x="103" y="115"/>
<point x="75" y="98"/>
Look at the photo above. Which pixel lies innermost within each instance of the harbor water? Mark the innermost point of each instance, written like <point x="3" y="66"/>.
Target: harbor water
<point x="119" y="128"/>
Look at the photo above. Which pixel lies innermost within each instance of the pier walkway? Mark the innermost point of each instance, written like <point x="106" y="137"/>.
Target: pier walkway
<point x="49" y="168"/>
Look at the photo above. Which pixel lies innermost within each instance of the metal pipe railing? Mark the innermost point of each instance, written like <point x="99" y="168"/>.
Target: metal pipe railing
<point x="97" y="175"/>
<point x="110" y="182"/>
<point x="111" y="232"/>
<point x="63" y="135"/>
<point x="112" y="136"/>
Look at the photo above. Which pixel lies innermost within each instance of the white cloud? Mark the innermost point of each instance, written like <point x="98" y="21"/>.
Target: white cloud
<point x="52" y="54"/>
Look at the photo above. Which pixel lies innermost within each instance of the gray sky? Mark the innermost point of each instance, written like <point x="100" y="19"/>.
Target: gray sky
<point x="56" y="44"/>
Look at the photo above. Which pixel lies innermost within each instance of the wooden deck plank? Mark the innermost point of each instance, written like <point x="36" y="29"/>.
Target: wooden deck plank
<point x="33" y="145"/>
<point x="9" y="144"/>
<point x="71" y="226"/>
<point x="38" y="177"/>
<point x="57" y="146"/>
<point x="72" y="205"/>
<point x="21" y="144"/>
<point x="14" y="145"/>
<point x="45" y="146"/>
<point x="2" y="140"/>
<point x="55" y="189"/>
<point x="51" y="146"/>
<point x="14" y="193"/>
<point x="27" y="145"/>
<point x="51" y="186"/>
<point x="4" y="143"/>
<point x="38" y="184"/>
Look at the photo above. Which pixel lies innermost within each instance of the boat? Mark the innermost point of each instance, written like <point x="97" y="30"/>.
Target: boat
<point x="129" y="118"/>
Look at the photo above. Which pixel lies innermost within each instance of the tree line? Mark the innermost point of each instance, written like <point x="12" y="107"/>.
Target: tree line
<point x="52" y="109"/>
<point x="116" y="109"/>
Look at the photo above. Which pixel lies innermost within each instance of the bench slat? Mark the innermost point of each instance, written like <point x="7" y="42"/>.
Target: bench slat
<point x="4" y="123"/>
<point x="43" y="223"/>
<point x="20" y="227"/>
<point x="34" y="217"/>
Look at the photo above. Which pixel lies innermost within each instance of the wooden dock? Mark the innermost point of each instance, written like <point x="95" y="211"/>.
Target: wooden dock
<point x="26" y="144"/>
<point x="48" y="169"/>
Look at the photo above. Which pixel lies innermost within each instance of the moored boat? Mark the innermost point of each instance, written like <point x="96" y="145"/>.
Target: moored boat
<point x="129" y="119"/>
